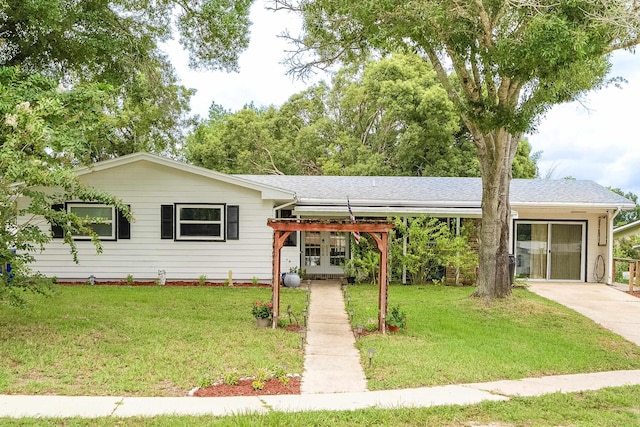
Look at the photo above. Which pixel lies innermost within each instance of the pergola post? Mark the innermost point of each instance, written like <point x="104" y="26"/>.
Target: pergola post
<point x="379" y="230"/>
<point x="279" y="238"/>
<point x="382" y="242"/>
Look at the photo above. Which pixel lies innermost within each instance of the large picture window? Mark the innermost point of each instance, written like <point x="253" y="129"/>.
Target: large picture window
<point x="100" y="218"/>
<point x="200" y="222"/>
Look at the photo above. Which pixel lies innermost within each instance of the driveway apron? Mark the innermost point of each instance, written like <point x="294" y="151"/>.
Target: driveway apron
<point x="615" y="310"/>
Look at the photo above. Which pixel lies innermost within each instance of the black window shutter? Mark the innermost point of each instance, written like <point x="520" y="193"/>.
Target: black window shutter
<point x="124" y="227"/>
<point x="166" y="221"/>
<point x="233" y="222"/>
<point x="56" y="231"/>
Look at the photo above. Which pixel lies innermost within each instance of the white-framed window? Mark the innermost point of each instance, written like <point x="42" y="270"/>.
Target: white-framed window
<point x="200" y="222"/>
<point x="100" y="218"/>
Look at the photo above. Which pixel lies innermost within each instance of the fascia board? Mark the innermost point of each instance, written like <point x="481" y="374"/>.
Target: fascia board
<point x="267" y="192"/>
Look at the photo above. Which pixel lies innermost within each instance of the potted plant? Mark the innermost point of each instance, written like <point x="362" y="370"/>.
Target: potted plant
<point x="350" y="270"/>
<point x="396" y="319"/>
<point x="262" y="311"/>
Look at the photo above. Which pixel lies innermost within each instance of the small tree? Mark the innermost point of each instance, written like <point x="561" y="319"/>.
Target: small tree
<point x="38" y="133"/>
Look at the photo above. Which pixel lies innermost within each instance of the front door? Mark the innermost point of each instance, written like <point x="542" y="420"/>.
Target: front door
<point x="550" y="250"/>
<point x="324" y="252"/>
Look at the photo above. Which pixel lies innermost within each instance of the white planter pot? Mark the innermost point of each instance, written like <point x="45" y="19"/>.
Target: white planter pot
<point x="292" y="280"/>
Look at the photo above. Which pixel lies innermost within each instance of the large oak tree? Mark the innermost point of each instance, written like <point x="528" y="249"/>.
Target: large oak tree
<point x="503" y="63"/>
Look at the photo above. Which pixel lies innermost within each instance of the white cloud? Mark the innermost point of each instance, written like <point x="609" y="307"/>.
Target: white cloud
<point x="597" y="139"/>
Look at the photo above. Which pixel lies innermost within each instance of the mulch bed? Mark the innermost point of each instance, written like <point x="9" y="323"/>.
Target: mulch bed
<point x="244" y="388"/>
<point x="634" y="293"/>
<point x="168" y="283"/>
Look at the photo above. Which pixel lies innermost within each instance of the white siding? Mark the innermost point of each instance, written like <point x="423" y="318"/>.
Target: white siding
<point x="146" y="186"/>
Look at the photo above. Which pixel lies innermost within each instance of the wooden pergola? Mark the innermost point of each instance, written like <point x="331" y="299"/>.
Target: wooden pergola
<point x="379" y="230"/>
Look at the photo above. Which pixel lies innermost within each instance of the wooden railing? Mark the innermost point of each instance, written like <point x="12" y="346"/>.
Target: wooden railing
<point x="634" y="270"/>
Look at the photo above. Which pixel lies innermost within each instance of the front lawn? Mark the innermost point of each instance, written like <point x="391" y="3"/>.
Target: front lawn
<point x="140" y="341"/>
<point x="452" y="338"/>
<point x="163" y="341"/>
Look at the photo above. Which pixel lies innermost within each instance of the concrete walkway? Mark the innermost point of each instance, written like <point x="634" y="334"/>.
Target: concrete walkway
<point x="605" y="305"/>
<point x="464" y="394"/>
<point x="331" y="363"/>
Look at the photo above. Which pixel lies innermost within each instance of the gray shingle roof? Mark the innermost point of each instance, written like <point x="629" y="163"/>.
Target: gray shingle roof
<point x="452" y="192"/>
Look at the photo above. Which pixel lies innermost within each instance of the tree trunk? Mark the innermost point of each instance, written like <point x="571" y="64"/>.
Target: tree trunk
<point x="496" y="150"/>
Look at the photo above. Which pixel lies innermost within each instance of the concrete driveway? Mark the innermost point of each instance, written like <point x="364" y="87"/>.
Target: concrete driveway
<point x="605" y="305"/>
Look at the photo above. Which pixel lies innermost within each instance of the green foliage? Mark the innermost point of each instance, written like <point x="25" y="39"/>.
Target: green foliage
<point x="202" y="279"/>
<point x="385" y="117"/>
<point x="431" y="246"/>
<point x="396" y="317"/>
<point x="279" y="371"/>
<point x="364" y="262"/>
<point x="284" y="380"/>
<point x="263" y="375"/>
<point x="205" y="380"/>
<point x="84" y="81"/>
<point x="112" y="40"/>
<point x="628" y="248"/>
<point x="627" y="217"/>
<point x="39" y="121"/>
<point x="117" y="43"/>
<point x="262" y="310"/>
<point x="257" y="385"/>
<point x="231" y="377"/>
<point x="525" y="163"/>
<point x="129" y="279"/>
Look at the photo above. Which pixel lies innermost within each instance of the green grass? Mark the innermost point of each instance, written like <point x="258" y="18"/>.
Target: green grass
<point x="141" y="341"/>
<point x="163" y="341"/>
<point x="452" y="339"/>
<point x="612" y="407"/>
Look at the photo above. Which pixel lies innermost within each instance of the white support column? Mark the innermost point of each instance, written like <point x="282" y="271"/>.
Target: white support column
<point x="404" y="252"/>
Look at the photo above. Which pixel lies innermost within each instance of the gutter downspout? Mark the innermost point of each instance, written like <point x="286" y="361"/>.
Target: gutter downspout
<point x="286" y="205"/>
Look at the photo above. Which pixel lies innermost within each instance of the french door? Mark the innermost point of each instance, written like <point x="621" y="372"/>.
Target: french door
<point x="547" y="250"/>
<point x="324" y="252"/>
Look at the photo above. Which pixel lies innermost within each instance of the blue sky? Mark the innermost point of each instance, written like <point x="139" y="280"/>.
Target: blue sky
<point x="595" y="139"/>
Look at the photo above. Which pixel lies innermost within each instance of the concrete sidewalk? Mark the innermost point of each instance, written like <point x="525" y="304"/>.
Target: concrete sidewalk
<point x="465" y="394"/>
<point x="331" y="362"/>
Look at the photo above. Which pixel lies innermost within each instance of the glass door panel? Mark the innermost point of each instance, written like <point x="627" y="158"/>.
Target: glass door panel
<point x="324" y="252"/>
<point x="312" y="249"/>
<point x="550" y="250"/>
<point x="565" y="252"/>
<point x="337" y="249"/>
<point x="531" y="250"/>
